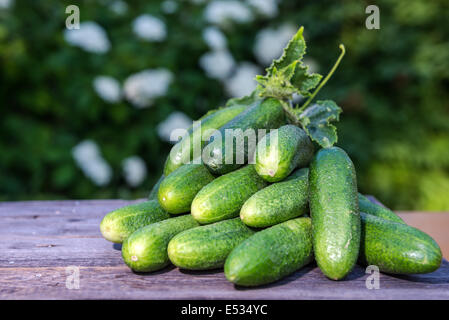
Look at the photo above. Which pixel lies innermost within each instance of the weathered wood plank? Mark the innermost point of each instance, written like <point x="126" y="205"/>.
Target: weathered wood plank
<point x="40" y="239"/>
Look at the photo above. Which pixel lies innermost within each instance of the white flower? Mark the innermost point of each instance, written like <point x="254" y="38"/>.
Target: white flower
<point x="142" y="88"/>
<point x="6" y="4"/>
<point x="88" y="157"/>
<point x="222" y="12"/>
<point x="119" y="7"/>
<point x="149" y="28"/>
<point x="107" y="88"/>
<point x="268" y="8"/>
<point x="134" y="170"/>
<point x="270" y="43"/>
<point x="169" y="6"/>
<point x="214" y="38"/>
<point x="176" y="120"/>
<point x="217" y="64"/>
<point x="90" y="37"/>
<point x="242" y="82"/>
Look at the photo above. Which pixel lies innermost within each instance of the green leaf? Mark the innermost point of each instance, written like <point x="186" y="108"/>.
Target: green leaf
<point x="316" y="121"/>
<point x="246" y="100"/>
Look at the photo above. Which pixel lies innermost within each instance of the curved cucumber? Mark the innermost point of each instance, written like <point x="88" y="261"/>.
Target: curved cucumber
<point x="242" y="134"/>
<point x="182" y="152"/>
<point x="335" y="212"/>
<point x="366" y="206"/>
<point x="222" y="198"/>
<point x="178" y="189"/>
<point x="278" y="202"/>
<point x="396" y="247"/>
<point x="120" y="223"/>
<point x="207" y="247"/>
<point x="271" y="254"/>
<point x="281" y="151"/>
<point x="155" y="189"/>
<point x="146" y="249"/>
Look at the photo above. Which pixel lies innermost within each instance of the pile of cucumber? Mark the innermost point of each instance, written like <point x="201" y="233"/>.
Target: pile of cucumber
<point x="293" y="200"/>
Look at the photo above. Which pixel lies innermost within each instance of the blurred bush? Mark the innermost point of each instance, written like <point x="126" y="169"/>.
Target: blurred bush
<point x="80" y="118"/>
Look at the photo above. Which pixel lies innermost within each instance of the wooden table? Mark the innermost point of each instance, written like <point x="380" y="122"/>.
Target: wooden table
<point x="46" y="244"/>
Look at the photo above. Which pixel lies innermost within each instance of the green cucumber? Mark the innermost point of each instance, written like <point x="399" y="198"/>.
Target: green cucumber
<point x="179" y="188"/>
<point x="335" y="212"/>
<point x="120" y="223"/>
<point x="397" y="248"/>
<point x="278" y="202"/>
<point x="262" y="114"/>
<point x="222" y="198"/>
<point x="155" y="189"/>
<point x="366" y="206"/>
<point x="207" y="247"/>
<point x="182" y="152"/>
<point x="271" y="254"/>
<point x="281" y="151"/>
<point x="145" y="250"/>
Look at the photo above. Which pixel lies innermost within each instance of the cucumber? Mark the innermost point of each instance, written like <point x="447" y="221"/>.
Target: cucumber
<point x="182" y="152"/>
<point x="207" y="247"/>
<point x="222" y="198"/>
<point x="281" y="151"/>
<point x="155" y="189"/>
<point x="262" y="114"/>
<point x="366" y="206"/>
<point x="278" y="202"/>
<point x="396" y="247"/>
<point x="335" y="212"/>
<point x="178" y="189"/>
<point x="271" y="254"/>
<point x="120" y="223"/>
<point x="145" y="250"/>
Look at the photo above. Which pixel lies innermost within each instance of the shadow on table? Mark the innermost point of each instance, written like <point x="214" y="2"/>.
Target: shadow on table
<point x="440" y="276"/>
<point x="155" y="273"/>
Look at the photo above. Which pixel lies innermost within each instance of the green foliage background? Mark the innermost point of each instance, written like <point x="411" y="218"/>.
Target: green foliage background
<point x="393" y="86"/>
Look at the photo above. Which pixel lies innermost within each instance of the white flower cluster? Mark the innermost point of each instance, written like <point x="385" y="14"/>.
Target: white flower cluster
<point x="107" y="88"/>
<point x="214" y="38"/>
<point x="169" y="6"/>
<point x="268" y="8"/>
<point x="223" y="12"/>
<point x="88" y="157"/>
<point x="143" y="87"/>
<point x="176" y="120"/>
<point x="270" y="43"/>
<point x="242" y="82"/>
<point x="134" y="170"/>
<point x="218" y="64"/>
<point x="90" y="36"/>
<point x="6" y="4"/>
<point x="149" y="28"/>
<point x="118" y="7"/>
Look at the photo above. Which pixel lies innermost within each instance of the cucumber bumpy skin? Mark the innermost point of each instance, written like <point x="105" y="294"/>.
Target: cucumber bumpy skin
<point x="180" y="187"/>
<point x="263" y="114"/>
<point x="397" y="248"/>
<point x="271" y="254"/>
<point x="207" y="247"/>
<point x="366" y="206"/>
<point x="334" y="211"/>
<point x="145" y="250"/>
<point x="182" y="152"/>
<point x="280" y="152"/>
<point x="222" y="198"/>
<point x="278" y="202"/>
<point x="120" y="223"/>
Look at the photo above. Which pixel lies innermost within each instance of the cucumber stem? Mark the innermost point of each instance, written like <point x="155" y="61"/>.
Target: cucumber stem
<point x="342" y="48"/>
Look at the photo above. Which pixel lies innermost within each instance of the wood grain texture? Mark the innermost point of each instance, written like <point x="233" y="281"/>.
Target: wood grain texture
<point x="40" y="239"/>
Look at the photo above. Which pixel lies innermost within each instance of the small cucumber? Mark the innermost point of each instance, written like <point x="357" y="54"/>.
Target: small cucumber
<point x="271" y="254"/>
<point x="396" y="247"/>
<point x="281" y="151"/>
<point x="262" y="114"/>
<point x="179" y="188"/>
<point x="145" y="250"/>
<point x="120" y="223"/>
<point x="335" y="212"/>
<point x="155" y="189"/>
<point x="207" y="247"/>
<point x="222" y="198"/>
<point x="182" y="152"/>
<point x="278" y="202"/>
<point x="366" y="206"/>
